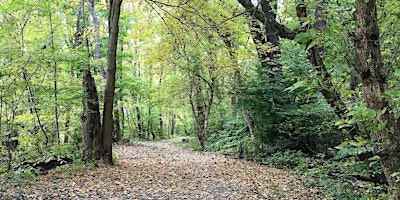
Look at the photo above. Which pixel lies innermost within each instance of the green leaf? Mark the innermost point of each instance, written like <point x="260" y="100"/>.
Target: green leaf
<point x="395" y="174"/>
<point x="343" y="145"/>
<point x="375" y="158"/>
<point x="369" y="113"/>
<point x="340" y="122"/>
<point x="305" y="37"/>
<point x="296" y="86"/>
<point x="360" y="141"/>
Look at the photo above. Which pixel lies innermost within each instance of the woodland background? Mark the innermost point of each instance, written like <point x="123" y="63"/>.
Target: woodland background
<point x="307" y="85"/>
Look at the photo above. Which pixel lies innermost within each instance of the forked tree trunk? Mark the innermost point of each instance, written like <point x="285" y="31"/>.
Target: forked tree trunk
<point x="91" y="126"/>
<point x="106" y="153"/>
<point x="374" y="75"/>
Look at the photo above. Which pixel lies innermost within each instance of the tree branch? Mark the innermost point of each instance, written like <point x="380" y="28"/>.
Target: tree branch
<point x="281" y="30"/>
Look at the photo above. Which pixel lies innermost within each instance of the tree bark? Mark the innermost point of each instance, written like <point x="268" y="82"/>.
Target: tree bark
<point x="106" y="154"/>
<point x="273" y="25"/>
<point x="374" y="75"/>
<point x="77" y="39"/>
<point x="91" y="125"/>
<point x="199" y="109"/>
<point x="272" y="39"/>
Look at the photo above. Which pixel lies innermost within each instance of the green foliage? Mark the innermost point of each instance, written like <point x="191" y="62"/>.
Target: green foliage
<point x="232" y="138"/>
<point x="292" y="113"/>
<point x="286" y="158"/>
<point x="266" y="105"/>
<point x="158" y="61"/>
<point x="334" y="176"/>
<point x="189" y="142"/>
<point x="305" y="37"/>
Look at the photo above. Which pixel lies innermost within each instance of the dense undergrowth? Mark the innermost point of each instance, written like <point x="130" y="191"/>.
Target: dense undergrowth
<point x="338" y="177"/>
<point x="290" y="125"/>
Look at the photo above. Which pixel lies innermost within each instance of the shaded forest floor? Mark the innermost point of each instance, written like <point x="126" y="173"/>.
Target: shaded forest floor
<point x="160" y="170"/>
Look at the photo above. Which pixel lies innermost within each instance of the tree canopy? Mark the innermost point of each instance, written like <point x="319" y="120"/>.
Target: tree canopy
<point x="311" y="85"/>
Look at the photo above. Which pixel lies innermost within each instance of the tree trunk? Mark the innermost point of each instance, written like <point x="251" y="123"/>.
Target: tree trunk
<point x="277" y="28"/>
<point x="160" y="117"/>
<point x="139" y="121"/>
<point x="161" y="125"/>
<point x="96" y="37"/>
<point x="236" y="77"/>
<point x="172" y="125"/>
<point x="34" y="109"/>
<point x="316" y="56"/>
<point x="91" y="125"/>
<point x="67" y="123"/>
<point x="122" y="112"/>
<point x="117" y="125"/>
<point x="201" y="106"/>
<point x="106" y="154"/>
<point x="269" y="57"/>
<point x="150" y="125"/>
<point x="55" y="77"/>
<point x="374" y="75"/>
<point x="272" y="57"/>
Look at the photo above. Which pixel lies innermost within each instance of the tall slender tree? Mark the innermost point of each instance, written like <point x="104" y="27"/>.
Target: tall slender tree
<point x="106" y="153"/>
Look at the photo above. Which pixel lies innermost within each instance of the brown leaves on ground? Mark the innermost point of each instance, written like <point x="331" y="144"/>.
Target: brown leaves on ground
<point x="160" y="170"/>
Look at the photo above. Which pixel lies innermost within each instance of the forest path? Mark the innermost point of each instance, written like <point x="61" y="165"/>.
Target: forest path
<point x="161" y="170"/>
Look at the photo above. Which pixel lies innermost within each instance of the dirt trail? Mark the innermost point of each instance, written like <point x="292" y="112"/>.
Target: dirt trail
<point x="160" y="170"/>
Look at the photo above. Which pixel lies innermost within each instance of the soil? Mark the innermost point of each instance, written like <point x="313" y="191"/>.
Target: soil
<point x="161" y="170"/>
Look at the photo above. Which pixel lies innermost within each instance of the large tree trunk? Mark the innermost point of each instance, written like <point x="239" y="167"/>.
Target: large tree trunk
<point x="106" y="154"/>
<point x="271" y="57"/>
<point x="267" y="49"/>
<point x="91" y="127"/>
<point x="374" y="74"/>
<point x="198" y="109"/>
